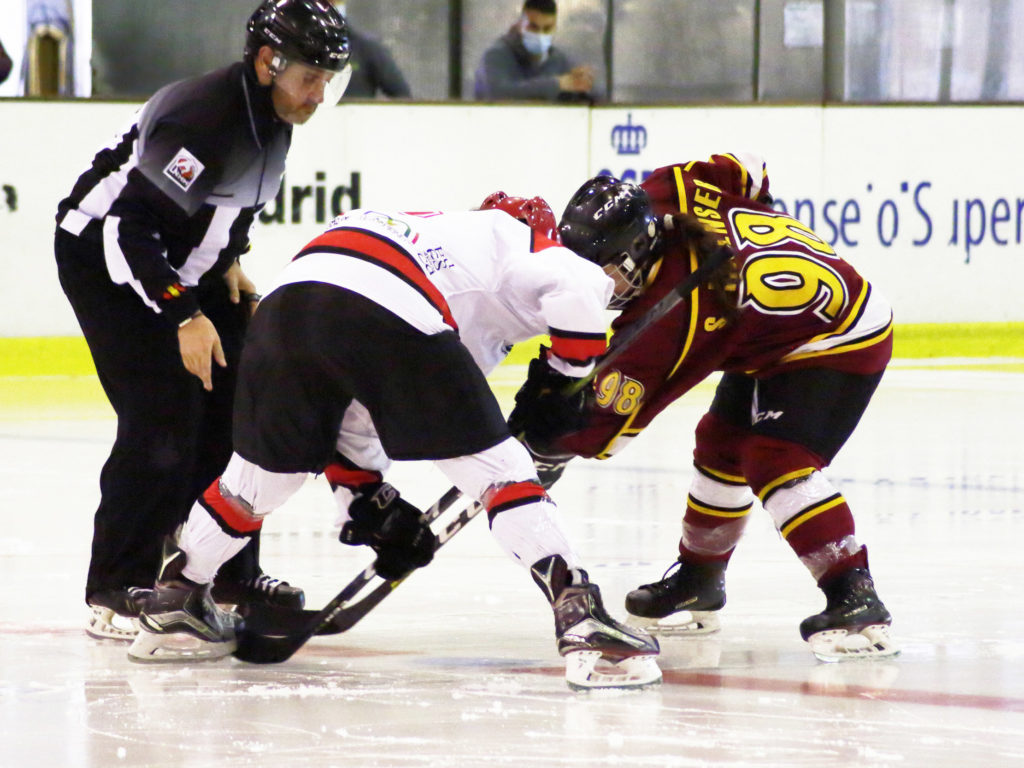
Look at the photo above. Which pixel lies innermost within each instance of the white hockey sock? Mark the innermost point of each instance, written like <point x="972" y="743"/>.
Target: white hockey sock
<point x="206" y="546"/>
<point x="531" y="532"/>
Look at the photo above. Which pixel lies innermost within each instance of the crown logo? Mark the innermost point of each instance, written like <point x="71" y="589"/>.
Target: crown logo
<point x="629" y="139"/>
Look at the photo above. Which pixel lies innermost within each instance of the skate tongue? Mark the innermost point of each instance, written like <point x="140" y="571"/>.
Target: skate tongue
<point x="587" y="670"/>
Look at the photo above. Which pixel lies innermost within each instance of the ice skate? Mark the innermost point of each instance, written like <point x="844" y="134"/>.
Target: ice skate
<point x="599" y="652"/>
<point x="684" y="603"/>
<point x="114" y="613"/>
<point x="180" y="621"/>
<point x="854" y="624"/>
<point x="262" y="589"/>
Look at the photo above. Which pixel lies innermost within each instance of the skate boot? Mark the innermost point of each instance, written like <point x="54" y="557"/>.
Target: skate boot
<point x="685" y="603"/>
<point x="599" y="651"/>
<point x="854" y="624"/>
<point x="180" y="621"/>
<point x="114" y="613"/>
<point x="262" y="589"/>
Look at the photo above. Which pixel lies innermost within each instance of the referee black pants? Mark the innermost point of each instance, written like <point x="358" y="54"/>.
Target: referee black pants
<point x="173" y="438"/>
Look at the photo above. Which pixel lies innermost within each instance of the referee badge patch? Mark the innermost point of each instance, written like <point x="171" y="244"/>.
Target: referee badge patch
<point x="183" y="169"/>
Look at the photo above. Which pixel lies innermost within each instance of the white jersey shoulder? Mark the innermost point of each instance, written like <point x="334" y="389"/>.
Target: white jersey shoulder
<point x="500" y="286"/>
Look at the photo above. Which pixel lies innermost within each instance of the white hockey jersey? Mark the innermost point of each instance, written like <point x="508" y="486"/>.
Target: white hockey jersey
<point x="483" y="273"/>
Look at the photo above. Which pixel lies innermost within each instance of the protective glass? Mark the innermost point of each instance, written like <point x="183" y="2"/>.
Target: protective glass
<point x="308" y="84"/>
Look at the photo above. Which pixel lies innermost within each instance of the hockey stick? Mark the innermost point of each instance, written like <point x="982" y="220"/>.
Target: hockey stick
<point x="679" y="293"/>
<point x="268" y="645"/>
<point x="264" y="645"/>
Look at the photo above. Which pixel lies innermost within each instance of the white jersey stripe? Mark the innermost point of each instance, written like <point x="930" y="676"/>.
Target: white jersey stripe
<point x="370" y="280"/>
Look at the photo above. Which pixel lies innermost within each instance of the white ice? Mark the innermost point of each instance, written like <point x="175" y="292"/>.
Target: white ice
<point x="458" y="667"/>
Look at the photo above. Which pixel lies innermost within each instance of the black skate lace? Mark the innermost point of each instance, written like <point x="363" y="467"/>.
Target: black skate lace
<point x="675" y="565"/>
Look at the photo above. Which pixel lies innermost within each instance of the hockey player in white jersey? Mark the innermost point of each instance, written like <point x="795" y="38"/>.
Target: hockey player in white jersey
<point x="373" y="347"/>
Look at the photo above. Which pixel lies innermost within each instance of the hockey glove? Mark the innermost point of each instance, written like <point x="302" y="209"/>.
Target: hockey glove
<point x="544" y="411"/>
<point x="549" y="468"/>
<point x="391" y="526"/>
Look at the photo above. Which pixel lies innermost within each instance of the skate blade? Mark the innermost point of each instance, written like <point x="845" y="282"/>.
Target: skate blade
<point x="105" y="624"/>
<point x="588" y="670"/>
<point x="872" y="642"/>
<point x="680" y="624"/>
<point x="176" y="647"/>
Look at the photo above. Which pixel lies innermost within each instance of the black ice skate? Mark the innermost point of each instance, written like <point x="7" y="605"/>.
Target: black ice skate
<point x="683" y="603"/>
<point x="180" y="621"/>
<point x="114" y="613"/>
<point x="587" y="636"/>
<point x="263" y="590"/>
<point x="854" y="624"/>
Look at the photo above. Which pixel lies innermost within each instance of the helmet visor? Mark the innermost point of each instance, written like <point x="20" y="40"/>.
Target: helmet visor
<point x="306" y="87"/>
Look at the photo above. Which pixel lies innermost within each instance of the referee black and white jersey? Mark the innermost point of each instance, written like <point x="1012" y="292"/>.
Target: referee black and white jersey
<point x="173" y="197"/>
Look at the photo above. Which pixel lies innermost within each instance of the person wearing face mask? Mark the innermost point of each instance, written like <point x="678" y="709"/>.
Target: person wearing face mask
<point x="524" y="65"/>
<point x="147" y="246"/>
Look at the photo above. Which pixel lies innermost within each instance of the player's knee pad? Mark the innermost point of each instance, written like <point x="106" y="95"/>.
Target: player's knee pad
<point x="813" y="517"/>
<point x="526" y="526"/>
<point x="246" y="493"/>
<point x="716" y="514"/>
<point x="792" y="496"/>
<point x="718" y="447"/>
<point x="768" y="463"/>
<point x="501" y="464"/>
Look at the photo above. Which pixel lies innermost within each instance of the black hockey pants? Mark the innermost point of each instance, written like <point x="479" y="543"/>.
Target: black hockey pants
<point x="173" y="438"/>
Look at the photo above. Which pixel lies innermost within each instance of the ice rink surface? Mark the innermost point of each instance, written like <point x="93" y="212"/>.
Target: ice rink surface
<point x="458" y="667"/>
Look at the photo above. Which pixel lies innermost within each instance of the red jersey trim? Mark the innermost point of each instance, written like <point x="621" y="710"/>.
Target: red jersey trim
<point x="372" y="247"/>
<point x="577" y="347"/>
<point x="349" y="477"/>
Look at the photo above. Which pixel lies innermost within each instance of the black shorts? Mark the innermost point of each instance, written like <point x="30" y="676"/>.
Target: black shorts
<point x="312" y="348"/>
<point x="817" y="408"/>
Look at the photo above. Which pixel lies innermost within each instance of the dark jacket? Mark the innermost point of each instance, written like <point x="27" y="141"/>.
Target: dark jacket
<point x="508" y="72"/>
<point x="373" y="69"/>
<point x="173" y="198"/>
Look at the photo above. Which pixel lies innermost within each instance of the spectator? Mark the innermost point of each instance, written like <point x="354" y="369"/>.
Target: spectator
<point x="373" y="67"/>
<point x="524" y="65"/>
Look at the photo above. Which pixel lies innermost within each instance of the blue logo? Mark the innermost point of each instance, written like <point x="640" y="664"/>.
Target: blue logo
<point x="629" y="139"/>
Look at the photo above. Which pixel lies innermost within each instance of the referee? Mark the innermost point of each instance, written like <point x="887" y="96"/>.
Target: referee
<point x="147" y="247"/>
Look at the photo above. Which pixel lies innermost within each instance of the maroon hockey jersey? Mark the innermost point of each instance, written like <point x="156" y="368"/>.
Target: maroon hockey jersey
<point x="798" y="305"/>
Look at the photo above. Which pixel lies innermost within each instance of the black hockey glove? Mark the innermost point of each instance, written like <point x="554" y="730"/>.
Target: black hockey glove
<point x="543" y="411"/>
<point x="391" y="526"/>
<point x="549" y="468"/>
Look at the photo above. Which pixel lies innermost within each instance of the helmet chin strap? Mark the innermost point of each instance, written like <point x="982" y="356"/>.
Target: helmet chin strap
<point x="630" y="277"/>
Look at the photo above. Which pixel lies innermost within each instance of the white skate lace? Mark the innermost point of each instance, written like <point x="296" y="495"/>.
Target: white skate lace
<point x="267" y="584"/>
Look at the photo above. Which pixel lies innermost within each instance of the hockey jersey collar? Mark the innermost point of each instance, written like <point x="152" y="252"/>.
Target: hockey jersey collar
<point x="264" y="121"/>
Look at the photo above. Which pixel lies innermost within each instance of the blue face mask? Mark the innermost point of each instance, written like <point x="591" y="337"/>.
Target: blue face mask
<point x="536" y="43"/>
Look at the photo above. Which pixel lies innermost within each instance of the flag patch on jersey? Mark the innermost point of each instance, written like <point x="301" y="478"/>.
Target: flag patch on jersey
<point x="183" y="169"/>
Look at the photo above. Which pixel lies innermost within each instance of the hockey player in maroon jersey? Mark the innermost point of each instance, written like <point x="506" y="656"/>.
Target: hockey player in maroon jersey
<point x="801" y="340"/>
<point x="373" y="347"/>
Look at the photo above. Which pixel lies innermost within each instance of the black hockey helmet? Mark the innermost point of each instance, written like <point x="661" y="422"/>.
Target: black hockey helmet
<point x="611" y="223"/>
<point x="308" y="31"/>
